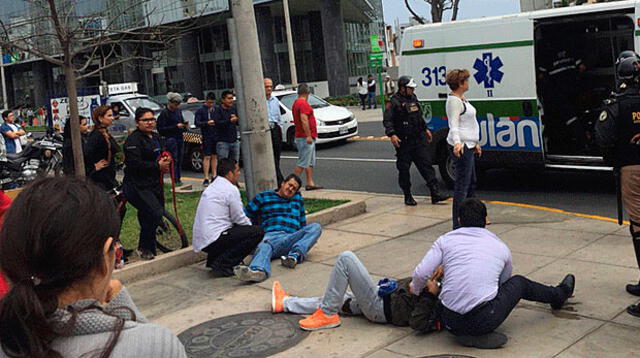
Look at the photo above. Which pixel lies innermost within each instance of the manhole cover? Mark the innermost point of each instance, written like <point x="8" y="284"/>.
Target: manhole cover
<point x="245" y="335"/>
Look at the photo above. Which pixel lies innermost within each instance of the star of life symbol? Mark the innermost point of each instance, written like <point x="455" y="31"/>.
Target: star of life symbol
<point x="488" y="70"/>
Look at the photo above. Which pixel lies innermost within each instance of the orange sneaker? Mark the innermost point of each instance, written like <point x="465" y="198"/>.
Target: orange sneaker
<point x="277" y="298"/>
<point x="319" y="320"/>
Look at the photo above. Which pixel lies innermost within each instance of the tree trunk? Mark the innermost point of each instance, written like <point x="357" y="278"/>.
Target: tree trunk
<point x="454" y="15"/>
<point x="76" y="140"/>
<point x="436" y="11"/>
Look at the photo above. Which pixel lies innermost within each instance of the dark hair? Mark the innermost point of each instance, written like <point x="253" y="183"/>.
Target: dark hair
<point x="5" y="114"/>
<point x="294" y="177"/>
<point x="225" y="166"/>
<point x="140" y="111"/>
<point x="303" y="88"/>
<point x="70" y="220"/>
<point x="472" y="213"/>
<point x="66" y="133"/>
<point x="99" y="112"/>
<point x="360" y="80"/>
<point x="225" y="93"/>
<point x="211" y="96"/>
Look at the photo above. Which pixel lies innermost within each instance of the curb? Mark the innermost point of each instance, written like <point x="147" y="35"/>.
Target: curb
<point x="184" y="257"/>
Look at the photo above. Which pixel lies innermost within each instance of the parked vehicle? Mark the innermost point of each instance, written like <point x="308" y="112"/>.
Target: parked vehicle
<point x="334" y="123"/>
<point x="41" y="157"/>
<point x="128" y="104"/>
<point x="506" y="56"/>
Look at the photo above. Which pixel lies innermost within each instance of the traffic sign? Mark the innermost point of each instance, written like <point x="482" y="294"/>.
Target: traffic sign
<point x="376" y="56"/>
<point x="376" y="43"/>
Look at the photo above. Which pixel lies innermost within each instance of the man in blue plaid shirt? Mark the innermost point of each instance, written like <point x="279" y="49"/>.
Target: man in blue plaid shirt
<point x="287" y="234"/>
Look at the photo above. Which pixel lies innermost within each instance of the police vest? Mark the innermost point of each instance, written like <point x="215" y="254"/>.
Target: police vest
<point x="628" y="125"/>
<point x="408" y="121"/>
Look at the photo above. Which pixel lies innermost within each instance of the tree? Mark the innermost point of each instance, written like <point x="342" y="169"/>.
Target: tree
<point x="438" y="7"/>
<point x="85" y="42"/>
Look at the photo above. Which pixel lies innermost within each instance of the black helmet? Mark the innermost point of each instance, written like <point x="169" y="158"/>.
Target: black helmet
<point x="628" y="68"/>
<point x="626" y="54"/>
<point x="406" y="81"/>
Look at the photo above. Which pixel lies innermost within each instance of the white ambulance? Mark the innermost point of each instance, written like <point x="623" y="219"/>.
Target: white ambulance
<point x="509" y="58"/>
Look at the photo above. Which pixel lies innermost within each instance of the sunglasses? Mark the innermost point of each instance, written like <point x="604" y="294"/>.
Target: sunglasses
<point x="146" y="119"/>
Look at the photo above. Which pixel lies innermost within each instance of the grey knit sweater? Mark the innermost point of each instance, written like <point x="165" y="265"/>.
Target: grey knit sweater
<point x="93" y="329"/>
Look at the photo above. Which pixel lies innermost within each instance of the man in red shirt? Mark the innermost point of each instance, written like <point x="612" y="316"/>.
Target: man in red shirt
<point x="306" y="135"/>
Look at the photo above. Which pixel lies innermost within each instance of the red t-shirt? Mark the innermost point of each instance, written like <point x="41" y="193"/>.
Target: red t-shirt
<point x="301" y="106"/>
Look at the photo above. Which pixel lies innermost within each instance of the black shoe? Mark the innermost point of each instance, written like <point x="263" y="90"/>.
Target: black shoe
<point x="289" y="261"/>
<point x="493" y="340"/>
<point x="634" y="289"/>
<point x="436" y="196"/>
<point x="221" y="271"/>
<point x="567" y="286"/>
<point x="409" y="200"/>
<point x="145" y="254"/>
<point x="634" y="310"/>
<point x="205" y="183"/>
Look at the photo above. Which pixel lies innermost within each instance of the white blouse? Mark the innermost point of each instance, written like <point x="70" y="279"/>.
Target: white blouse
<point x="463" y="127"/>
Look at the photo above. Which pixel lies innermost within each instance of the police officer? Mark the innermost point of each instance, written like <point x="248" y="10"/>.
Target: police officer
<point x="619" y="124"/>
<point x="408" y="132"/>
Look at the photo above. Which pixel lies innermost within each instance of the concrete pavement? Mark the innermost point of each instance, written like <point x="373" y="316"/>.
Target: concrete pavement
<point x="391" y="239"/>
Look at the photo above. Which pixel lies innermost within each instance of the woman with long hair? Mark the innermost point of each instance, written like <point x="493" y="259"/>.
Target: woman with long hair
<point x="67" y="149"/>
<point x="63" y="301"/>
<point x="102" y="149"/>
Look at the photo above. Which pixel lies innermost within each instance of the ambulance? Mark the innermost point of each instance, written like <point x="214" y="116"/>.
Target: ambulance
<point x="508" y="58"/>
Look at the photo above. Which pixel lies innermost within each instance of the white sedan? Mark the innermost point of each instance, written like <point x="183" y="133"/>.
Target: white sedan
<point x="334" y="123"/>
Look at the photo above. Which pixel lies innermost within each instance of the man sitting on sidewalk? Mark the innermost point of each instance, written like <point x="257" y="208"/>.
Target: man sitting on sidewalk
<point x="287" y="234"/>
<point x="479" y="292"/>
<point x="220" y="228"/>
<point x="397" y="305"/>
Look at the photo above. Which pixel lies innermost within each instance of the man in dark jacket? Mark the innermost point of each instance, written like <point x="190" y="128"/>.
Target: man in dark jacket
<point x="171" y="124"/>
<point x="204" y="121"/>
<point x="405" y="127"/>
<point x="142" y="185"/>
<point x="226" y="120"/>
<point x="388" y="303"/>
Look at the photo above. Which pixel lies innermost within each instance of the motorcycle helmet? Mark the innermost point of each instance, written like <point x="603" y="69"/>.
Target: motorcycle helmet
<point x="627" y="54"/>
<point x="628" y="68"/>
<point x="406" y="81"/>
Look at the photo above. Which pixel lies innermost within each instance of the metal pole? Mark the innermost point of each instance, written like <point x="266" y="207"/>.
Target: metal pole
<point x="4" y="81"/>
<point x="256" y="134"/>
<point x="240" y="104"/>
<point x="292" y="55"/>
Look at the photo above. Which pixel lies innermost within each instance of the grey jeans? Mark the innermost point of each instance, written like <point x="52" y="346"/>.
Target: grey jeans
<point x="347" y="272"/>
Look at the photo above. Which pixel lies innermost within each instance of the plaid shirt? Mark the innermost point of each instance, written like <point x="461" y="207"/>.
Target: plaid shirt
<point x="277" y="213"/>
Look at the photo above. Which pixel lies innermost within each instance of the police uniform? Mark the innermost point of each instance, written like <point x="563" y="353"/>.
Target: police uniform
<point x="404" y="119"/>
<point x="624" y="109"/>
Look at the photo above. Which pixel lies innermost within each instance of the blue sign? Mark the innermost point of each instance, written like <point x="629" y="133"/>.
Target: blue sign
<point x="488" y="70"/>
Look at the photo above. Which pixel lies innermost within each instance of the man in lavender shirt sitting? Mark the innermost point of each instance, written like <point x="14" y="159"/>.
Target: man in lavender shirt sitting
<point x="478" y="291"/>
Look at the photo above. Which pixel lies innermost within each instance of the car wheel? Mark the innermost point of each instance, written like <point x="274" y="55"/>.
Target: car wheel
<point x="291" y="135"/>
<point x="447" y="168"/>
<point x="195" y="159"/>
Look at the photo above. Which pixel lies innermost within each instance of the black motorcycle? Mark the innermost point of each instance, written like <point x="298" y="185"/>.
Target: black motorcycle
<point x="40" y="157"/>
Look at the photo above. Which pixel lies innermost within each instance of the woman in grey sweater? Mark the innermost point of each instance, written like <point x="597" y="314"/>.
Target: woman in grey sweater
<point x="63" y="302"/>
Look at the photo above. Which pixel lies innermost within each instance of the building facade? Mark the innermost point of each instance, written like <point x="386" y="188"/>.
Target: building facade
<point x="331" y="44"/>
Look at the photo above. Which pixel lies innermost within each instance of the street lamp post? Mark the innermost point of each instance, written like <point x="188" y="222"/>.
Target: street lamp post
<point x="4" y="81"/>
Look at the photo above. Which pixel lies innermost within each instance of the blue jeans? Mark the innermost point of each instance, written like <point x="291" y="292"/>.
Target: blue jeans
<point x="175" y="146"/>
<point x="371" y="99"/>
<point x="465" y="181"/>
<point x="228" y="150"/>
<point x="280" y="243"/>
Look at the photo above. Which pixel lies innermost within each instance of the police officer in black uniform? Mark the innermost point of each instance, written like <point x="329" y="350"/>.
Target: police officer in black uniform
<point x="408" y="132"/>
<point x="619" y="125"/>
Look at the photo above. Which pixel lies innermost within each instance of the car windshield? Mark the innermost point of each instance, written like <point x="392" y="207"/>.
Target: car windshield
<point x="314" y="101"/>
<point x="147" y="102"/>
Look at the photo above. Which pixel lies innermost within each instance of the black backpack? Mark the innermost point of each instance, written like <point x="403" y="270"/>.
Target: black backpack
<point x="606" y="129"/>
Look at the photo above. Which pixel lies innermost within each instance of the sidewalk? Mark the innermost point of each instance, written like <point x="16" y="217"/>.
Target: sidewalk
<point x="391" y="239"/>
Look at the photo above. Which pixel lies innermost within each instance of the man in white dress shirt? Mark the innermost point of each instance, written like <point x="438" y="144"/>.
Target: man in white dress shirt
<point x="221" y="229"/>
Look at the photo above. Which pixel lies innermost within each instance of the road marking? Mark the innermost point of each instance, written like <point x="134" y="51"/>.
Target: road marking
<point x="348" y="159"/>
<point x="553" y="210"/>
<point x="368" y="139"/>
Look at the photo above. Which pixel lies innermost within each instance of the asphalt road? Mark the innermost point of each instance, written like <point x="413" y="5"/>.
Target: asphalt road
<point x="368" y="164"/>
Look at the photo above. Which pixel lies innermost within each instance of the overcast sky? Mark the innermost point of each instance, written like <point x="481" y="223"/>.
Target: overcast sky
<point x="468" y="9"/>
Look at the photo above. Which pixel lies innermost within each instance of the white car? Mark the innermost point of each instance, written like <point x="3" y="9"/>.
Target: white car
<point x="334" y="123"/>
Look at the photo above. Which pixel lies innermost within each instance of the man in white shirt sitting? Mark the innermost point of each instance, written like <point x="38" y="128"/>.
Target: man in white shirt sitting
<point x="221" y="229"/>
<point x="478" y="291"/>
